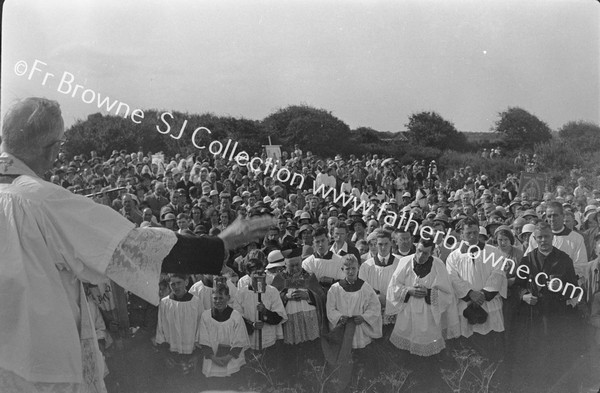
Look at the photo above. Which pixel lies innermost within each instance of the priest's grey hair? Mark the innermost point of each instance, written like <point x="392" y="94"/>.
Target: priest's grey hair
<point x="31" y="125"/>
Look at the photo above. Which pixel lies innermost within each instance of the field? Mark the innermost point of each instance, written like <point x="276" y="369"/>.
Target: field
<point x="138" y="367"/>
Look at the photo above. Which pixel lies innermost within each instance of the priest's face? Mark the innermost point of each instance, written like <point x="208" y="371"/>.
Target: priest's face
<point x="422" y="253"/>
<point x="294" y="265"/>
<point x="544" y="239"/>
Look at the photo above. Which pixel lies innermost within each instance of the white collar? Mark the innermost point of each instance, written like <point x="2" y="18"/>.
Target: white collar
<point x="343" y="248"/>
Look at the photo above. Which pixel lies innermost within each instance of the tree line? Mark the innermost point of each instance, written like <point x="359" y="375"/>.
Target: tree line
<point x="428" y="135"/>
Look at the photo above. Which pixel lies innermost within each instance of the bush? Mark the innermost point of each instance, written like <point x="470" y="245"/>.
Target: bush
<point x="557" y="158"/>
<point x="495" y="168"/>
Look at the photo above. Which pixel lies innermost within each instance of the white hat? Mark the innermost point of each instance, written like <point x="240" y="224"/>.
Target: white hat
<point x="527" y="228"/>
<point x="275" y="259"/>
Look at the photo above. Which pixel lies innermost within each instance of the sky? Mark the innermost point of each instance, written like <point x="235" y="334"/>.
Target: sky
<point x="370" y="63"/>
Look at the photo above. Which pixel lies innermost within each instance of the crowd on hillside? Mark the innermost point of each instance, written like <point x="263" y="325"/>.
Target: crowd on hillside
<point x="326" y="272"/>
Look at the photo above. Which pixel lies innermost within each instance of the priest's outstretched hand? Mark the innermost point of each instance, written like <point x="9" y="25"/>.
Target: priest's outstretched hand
<point x="243" y="231"/>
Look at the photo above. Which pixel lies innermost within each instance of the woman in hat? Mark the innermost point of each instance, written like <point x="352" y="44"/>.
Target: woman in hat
<point x="512" y="257"/>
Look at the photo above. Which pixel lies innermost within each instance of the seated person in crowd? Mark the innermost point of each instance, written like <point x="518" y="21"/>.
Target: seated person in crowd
<point x="267" y="314"/>
<point x="222" y="337"/>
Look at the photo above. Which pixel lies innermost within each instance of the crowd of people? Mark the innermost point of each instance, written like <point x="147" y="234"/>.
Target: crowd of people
<point x="327" y="280"/>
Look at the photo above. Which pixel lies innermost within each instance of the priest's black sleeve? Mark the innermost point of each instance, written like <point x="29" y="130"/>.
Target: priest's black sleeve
<point x="195" y="255"/>
<point x="489" y="295"/>
<point x="271" y="317"/>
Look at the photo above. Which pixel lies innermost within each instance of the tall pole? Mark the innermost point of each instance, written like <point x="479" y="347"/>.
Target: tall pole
<point x="260" y="330"/>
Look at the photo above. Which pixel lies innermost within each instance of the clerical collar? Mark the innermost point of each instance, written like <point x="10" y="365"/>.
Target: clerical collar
<point x="422" y="269"/>
<point x="563" y="232"/>
<point x="383" y="261"/>
<point x="185" y="298"/>
<point x="329" y="255"/>
<point x="354" y="287"/>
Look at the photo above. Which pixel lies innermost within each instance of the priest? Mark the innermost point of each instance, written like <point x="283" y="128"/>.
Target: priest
<point x="53" y="240"/>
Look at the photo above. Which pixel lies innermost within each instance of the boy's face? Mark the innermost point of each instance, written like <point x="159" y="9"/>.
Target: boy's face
<point x="273" y="234"/>
<point x="340" y="234"/>
<point x="363" y="248"/>
<point x="384" y="246"/>
<point x="164" y="291"/>
<point x="321" y="244"/>
<point x="219" y="300"/>
<point x="177" y="285"/>
<point x="404" y="241"/>
<point x="350" y="270"/>
<point x="182" y="223"/>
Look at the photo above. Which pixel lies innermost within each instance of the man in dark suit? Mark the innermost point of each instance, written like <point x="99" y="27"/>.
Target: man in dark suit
<point x="548" y="327"/>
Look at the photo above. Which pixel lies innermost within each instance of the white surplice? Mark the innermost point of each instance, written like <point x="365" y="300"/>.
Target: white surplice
<point x="178" y="324"/>
<point x="231" y="332"/>
<point x="378" y="277"/>
<point x="363" y="302"/>
<point x="468" y="273"/>
<point x="420" y="326"/>
<point x="45" y="255"/>
<point x="324" y="267"/>
<point x="246" y="303"/>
